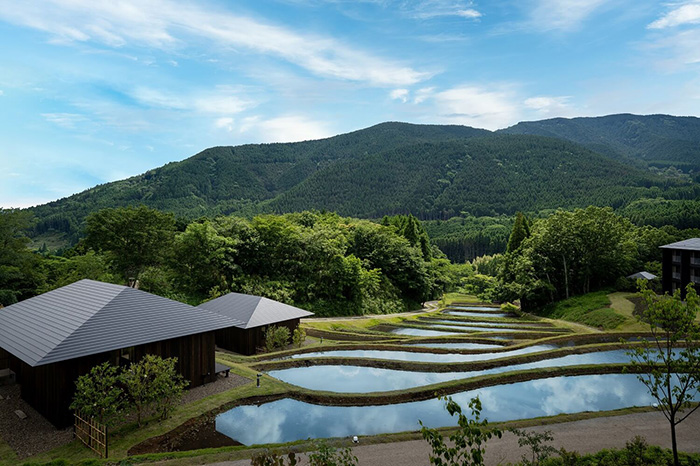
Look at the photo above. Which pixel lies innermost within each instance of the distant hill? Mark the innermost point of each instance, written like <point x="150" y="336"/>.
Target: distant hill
<point x="432" y="171"/>
<point x="654" y="140"/>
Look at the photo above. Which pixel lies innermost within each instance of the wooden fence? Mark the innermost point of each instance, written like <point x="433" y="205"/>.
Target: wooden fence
<point x="92" y="434"/>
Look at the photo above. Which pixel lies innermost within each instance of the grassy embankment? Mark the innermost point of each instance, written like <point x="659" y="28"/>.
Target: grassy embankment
<point x="599" y="310"/>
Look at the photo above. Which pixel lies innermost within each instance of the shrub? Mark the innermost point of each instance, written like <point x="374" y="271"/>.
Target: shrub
<point x="98" y="394"/>
<point x="299" y="337"/>
<point x="326" y="455"/>
<point x="276" y="337"/>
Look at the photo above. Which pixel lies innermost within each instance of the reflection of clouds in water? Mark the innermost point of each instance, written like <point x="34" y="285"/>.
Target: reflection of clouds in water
<point x="287" y="420"/>
<point x="264" y="422"/>
<point x="356" y="379"/>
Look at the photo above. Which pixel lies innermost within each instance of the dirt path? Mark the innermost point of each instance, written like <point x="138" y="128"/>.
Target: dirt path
<point x="586" y="436"/>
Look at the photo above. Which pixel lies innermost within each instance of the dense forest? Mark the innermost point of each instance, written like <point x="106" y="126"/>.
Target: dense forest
<point x="655" y="140"/>
<point x="323" y="262"/>
<point x="433" y="172"/>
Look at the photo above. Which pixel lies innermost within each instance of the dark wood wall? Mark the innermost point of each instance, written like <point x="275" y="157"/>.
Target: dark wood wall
<point x="4" y="359"/>
<point x="247" y="341"/>
<point x="49" y="389"/>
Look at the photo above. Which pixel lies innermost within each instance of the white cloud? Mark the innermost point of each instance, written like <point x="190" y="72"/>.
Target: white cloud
<point x="423" y="94"/>
<point x="399" y="94"/>
<point x="64" y="120"/>
<point x="549" y="106"/>
<point x="171" y="24"/>
<point x="427" y="9"/>
<point x="2" y="93"/>
<point x="548" y="15"/>
<point x="477" y="106"/>
<point x="288" y="128"/>
<point x="688" y="13"/>
<point x="677" y="50"/>
<point x="218" y="101"/>
<point x="224" y="123"/>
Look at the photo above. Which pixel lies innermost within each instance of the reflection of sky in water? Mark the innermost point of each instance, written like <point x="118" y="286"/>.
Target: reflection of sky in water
<point x="458" y="345"/>
<point x="419" y="332"/>
<point x="478" y="324"/>
<point x="476" y="308"/>
<point x="424" y="357"/>
<point x="355" y="379"/>
<point x="288" y="420"/>
<point x="476" y="314"/>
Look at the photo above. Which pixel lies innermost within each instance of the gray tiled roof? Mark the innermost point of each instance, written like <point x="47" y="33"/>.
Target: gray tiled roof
<point x="254" y="311"/>
<point x="89" y="317"/>
<point x="692" y="244"/>
<point x="645" y="275"/>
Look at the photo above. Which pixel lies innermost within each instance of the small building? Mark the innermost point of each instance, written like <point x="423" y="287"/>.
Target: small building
<point x="256" y="314"/>
<point x="52" y="339"/>
<point x="681" y="265"/>
<point x="644" y="275"/>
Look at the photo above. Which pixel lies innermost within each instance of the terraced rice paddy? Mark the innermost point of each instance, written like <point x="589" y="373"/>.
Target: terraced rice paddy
<point x="356" y="379"/>
<point x="287" y="420"/>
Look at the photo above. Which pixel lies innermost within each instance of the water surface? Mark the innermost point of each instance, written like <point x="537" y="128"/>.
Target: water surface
<point x="476" y="314"/>
<point x="357" y="379"/>
<point x="422" y="357"/>
<point x="288" y="420"/>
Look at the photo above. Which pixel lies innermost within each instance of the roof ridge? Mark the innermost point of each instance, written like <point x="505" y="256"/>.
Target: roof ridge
<point x="85" y="322"/>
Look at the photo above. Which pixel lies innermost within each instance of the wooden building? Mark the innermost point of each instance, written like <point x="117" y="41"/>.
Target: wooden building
<point x="681" y="266"/>
<point x="52" y="339"/>
<point x="256" y="314"/>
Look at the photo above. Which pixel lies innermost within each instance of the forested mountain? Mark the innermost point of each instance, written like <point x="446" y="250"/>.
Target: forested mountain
<point x="655" y="140"/>
<point x="222" y="180"/>
<point x="434" y="172"/>
<point x="483" y="176"/>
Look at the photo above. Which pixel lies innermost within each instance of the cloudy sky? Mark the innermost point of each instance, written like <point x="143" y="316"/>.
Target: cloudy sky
<point x="93" y="91"/>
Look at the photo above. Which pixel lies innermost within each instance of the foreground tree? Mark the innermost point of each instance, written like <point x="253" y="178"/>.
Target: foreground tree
<point x="669" y="366"/>
<point x="468" y="440"/>
<point x="98" y="394"/>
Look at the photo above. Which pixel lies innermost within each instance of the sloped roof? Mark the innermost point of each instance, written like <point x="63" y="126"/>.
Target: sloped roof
<point x="692" y="244"/>
<point x="90" y="317"/>
<point x="254" y="311"/>
<point x="645" y="275"/>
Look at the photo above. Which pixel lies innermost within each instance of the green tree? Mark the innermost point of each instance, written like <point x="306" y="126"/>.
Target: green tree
<point x="19" y="267"/>
<point x="299" y="337"/>
<point x="521" y="230"/>
<point x="467" y="441"/>
<point x="536" y="442"/>
<point x="276" y="337"/>
<point x="133" y="238"/>
<point x="203" y="259"/>
<point x="168" y="385"/>
<point x="669" y="366"/>
<point x="98" y="394"/>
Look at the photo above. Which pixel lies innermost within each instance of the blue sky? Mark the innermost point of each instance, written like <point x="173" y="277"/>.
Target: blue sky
<point x="93" y="91"/>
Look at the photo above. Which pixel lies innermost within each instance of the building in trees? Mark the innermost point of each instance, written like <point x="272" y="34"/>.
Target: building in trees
<point x="681" y="265"/>
<point x="256" y="314"/>
<point x="52" y="339"/>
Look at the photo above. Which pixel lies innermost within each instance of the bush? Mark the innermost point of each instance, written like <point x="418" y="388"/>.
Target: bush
<point x="299" y="337"/>
<point x="326" y="455"/>
<point x="276" y="337"/>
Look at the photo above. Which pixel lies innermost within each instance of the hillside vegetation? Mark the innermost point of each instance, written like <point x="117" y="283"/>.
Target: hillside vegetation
<point x="655" y="140"/>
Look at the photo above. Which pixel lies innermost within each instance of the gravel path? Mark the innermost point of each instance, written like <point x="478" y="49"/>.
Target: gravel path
<point x="586" y="436"/>
<point x="36" y="435"/>
<point x="31" y="435"/>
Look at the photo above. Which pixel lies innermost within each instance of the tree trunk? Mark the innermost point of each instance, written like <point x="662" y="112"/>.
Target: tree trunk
<point x="673" y="442"/>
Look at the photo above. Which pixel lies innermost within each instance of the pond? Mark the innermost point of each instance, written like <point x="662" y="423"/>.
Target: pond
<point x="357" y="379"/>
<point x="422" y="357"/>
<point x="476" y="314"/>
<point x="475" y="308"/>
<point x="456" y="323"/>
<point x="420" y="332"/>
<point x="288" y="420"/>
<point x="467" y="346"/>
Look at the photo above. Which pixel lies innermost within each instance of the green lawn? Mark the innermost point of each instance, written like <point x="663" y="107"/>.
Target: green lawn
<point x="592" y="309"/>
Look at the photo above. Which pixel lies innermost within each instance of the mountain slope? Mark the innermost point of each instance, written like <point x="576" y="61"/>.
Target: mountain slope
<point x="234" y="179"/>
<point x="654" y="140"/>
<point x="484" y="176"/>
